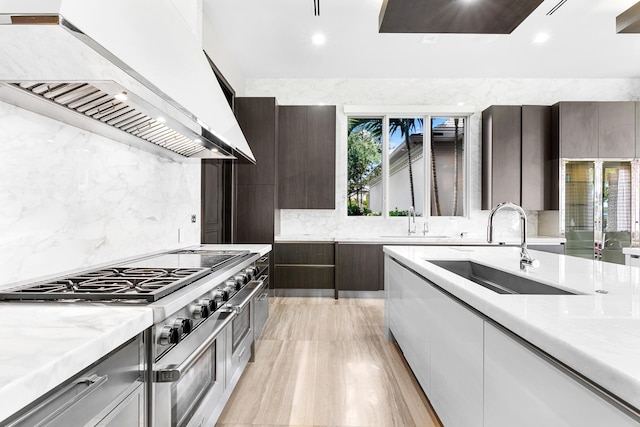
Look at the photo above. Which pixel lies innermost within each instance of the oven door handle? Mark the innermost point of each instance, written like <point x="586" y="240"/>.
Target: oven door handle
<point x="256" y="287"/>
<point x="172" y="373"/>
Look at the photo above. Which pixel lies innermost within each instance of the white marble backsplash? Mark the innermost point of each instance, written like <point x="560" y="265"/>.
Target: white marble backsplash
<point x="71" y="199"/>
<point x="478" y="94"/>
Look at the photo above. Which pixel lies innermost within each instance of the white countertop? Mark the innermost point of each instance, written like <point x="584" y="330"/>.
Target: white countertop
<point x="414" y="239"/>
<point x="631" y="251"/>
<point x="597" y="335"/>
<point x="46" y="344"/>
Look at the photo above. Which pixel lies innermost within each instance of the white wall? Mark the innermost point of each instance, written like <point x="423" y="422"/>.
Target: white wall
<point x="479" y="93"/>
<point x="70" y="199"/>
<point x="221" y="57"/>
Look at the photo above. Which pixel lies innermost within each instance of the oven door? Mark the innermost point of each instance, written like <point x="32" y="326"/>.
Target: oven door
<point x="262" y="308"/>
<point x="242" y="330"/>
<point x="189" y="381"/>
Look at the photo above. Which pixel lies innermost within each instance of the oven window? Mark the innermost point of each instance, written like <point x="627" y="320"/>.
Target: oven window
<point x="241" y="326"/>
<point x="192" y="386"/>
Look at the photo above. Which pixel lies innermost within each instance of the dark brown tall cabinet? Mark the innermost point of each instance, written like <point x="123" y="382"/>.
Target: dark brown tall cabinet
<point x="306" y="157"/>
<point x="255" y="207"/>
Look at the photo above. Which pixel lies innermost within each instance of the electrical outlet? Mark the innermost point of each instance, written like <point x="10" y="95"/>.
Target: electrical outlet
<point x="193" y="219"/>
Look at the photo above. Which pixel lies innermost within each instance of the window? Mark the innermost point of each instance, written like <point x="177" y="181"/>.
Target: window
<point x="364" y="166"/>
<point x="389" y="170"/>
<point x="447" y="166"/>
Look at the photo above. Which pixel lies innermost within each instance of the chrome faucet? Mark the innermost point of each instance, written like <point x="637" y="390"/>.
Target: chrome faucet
<point x="412" y="224"/>
<point x="525" y="257"/>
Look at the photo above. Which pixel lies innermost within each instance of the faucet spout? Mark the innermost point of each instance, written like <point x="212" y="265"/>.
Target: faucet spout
<point x="412" y="220"/>
<point x="525" y="258"/>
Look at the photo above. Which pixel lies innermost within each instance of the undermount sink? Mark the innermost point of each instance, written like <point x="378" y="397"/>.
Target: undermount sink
<point x="497" y="280"/>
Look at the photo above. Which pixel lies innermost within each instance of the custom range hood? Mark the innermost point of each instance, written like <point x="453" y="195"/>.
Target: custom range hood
<point x="130" y="70"/>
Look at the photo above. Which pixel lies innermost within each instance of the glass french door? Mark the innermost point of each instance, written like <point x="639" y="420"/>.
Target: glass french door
<point x="599" y="208"/>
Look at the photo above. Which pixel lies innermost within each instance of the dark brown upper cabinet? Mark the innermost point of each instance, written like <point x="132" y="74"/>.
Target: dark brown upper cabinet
<point x="577" y="124"/>
<point x="501" y="155"/>
<point x="539" y="185"/>
<point x="518" y="160"/>
<point x="616" y="129"/>
<point x="306" y="157"/>
<point x="591" y="130"/>
<point x="258" y="119"/>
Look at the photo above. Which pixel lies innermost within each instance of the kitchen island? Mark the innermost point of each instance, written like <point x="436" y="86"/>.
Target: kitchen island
<point x="485" y="339"/>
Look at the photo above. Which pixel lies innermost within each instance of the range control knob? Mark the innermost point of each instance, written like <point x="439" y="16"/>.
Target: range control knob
<point x="222" y="294"/>
<point x="250" y="272"/>
<point x="241" y="279"/>
<point x="253" y="270"/>
<point x="169" y="335"/>
<point x="185" y="326"/>
<point x="214" y="304"/>
<point x="201" y="311"/>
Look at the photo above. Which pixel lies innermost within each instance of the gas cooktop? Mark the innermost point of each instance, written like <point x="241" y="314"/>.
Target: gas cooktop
<point x="117" y="283"/>
<point x="147" y="280"/>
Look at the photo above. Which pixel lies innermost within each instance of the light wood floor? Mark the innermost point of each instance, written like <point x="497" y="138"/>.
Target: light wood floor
<point x="323" y="362"/>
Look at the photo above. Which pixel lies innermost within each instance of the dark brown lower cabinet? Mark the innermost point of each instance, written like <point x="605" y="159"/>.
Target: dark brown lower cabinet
<point x="359" y="267"/>
<point x="305" y="276"/>
<point x="307" y="265"/>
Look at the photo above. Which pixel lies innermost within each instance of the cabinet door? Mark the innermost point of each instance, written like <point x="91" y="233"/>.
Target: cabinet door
<point x="539" y="187"/>
<point x="524" y="390"/>
<point x="257" y="118"/>
<point x="321" y="157"/>
<point x="255" y="213"/>
<point x="578" y="128"/>
<point x="501" y="155"/>
<point x="358" y="267"/>
<point x="456" y="363"/>
<point x="617" y="129"/>
<point x="410" y="299"/>
<point x="292" y="153"/>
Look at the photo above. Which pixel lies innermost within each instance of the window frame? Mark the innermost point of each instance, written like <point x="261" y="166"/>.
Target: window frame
<point x="426" y="113"/>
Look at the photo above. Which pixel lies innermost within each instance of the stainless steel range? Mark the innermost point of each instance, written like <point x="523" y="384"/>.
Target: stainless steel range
<point x="203" y="303"/>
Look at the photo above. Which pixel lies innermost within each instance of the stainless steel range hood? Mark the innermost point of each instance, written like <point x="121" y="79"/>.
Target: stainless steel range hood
<point x="130" y="70"/>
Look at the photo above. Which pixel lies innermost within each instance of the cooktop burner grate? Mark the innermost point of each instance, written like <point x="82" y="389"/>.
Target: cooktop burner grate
<point x="146" y="284"/>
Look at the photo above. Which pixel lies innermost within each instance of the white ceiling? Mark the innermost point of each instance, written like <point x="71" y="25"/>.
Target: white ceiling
<point x="272" y="39"/>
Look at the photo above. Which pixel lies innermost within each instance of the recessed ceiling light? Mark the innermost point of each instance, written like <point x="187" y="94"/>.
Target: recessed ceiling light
<point x="318" y="39"/>
<point x="197" y="140"/>
<point x="541" y="38"/>
<point x="460" y="103"/>
<point x="160" y="119"/>
<point x="215" y="150"/>
<point x="122" y="96"/>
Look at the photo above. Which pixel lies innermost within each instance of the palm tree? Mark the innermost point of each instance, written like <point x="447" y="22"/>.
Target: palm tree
<point x="405" y="127"/>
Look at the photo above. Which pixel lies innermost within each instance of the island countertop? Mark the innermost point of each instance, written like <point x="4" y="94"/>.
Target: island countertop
<point x="598" y="335"/>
